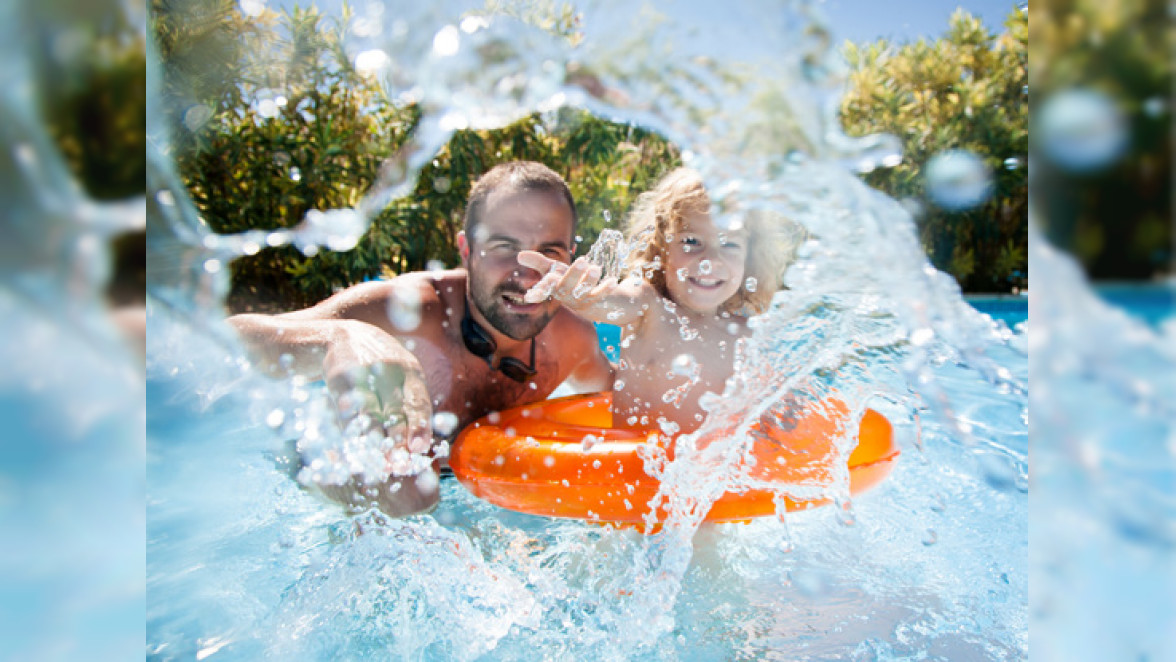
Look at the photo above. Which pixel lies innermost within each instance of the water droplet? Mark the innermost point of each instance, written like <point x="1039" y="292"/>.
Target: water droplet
<point x="404" y="309"/>
<point x="446" y="41"/>
<point x="1012" y="163"/>
<point x="295" y="174"/>
<point x="922" y="337"/>
<point x="751" y="284"/>
<point x="197" y="116"/>
<point x="549" y="461"/>
<point x="1082" y="130"/>
<point x="275" y="418"/>
<point x="445" y="423"/>
<point x="619" y="385"/>
<point x="266" y="108"/>
<point x="705" y="267"/>
<point x="958" y="180"/>
<point x="607" y="216"/>
<point x="589" y="441"/>
<point x="212" y="265"/>
<point x="252" y="8"/>
<point x="684" y="365"/>
<point x="1155" y="106"/>
<point x="681" y="274"/>
<point x="371" y="62"/>
<point x="442" y="184"/>
<point x="930" y="537"/>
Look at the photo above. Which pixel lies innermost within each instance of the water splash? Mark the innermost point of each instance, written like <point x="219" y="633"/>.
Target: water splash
<point x="748" y="105"/>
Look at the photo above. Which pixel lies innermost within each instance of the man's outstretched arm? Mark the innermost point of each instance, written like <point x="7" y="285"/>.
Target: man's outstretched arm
<point x="376" y="385"/>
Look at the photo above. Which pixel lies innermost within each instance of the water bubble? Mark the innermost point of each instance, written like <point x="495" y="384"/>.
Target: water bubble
<point x="619" y="385"/>
<point x="589" y="441"/>
<point x="197" y="116"/>
<point x="930" y="537"/>
<point x="668" y="427"/>
<point x="445" y="423"/>
<point x="275" y="418"/>
<point x="442" y="184"/>
<point x="684" y="365"/>
<point x="336" y="229"/>
<point x="212" y="265"/>
<point x="607" y="216"/>
<point x="958" y="180"/>
<point x="295" y="174"/>
<point x="427" y="482"/>
<point x="705" y="267"/>
<point x="404" y="308"/>
<point x="549" y="461"/>
<point x="751" y="284"/>
<point x="1012" y="163"/>
<point x="1081" y="130"/>
<point x="267" y="108"/>
<point x="252" y="8"/>
<point x="681" y="274"/>
<point x="446" y="41"/>
<point x="372" y="62"/>
<point x="435" y="266"/>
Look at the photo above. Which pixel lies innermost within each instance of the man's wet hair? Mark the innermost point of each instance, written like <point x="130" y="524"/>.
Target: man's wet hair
<point x="515" y="176"/>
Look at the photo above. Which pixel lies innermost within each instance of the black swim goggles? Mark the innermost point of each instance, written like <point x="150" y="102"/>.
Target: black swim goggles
<point x="482" y="345"/>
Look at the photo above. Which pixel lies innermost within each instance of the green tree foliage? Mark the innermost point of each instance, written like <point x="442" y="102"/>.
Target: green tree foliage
<point x="92" y="95"/>
<point x="967" y="90"/>
<point x="1116" y="220"/>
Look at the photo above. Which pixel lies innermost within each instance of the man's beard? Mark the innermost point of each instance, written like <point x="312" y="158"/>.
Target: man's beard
<point x="513" y="325"/>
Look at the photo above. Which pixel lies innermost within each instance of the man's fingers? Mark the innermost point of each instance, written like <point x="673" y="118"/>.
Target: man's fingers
<point x="537" y="261"/>
<point x="569" y="286"/>
<point x="418" y="415"/>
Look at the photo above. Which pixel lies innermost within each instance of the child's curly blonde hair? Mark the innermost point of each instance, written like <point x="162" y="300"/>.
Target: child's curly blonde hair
<point x="658" y="214"/>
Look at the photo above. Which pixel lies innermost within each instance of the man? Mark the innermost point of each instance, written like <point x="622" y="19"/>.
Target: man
<point x="462" y="341"/>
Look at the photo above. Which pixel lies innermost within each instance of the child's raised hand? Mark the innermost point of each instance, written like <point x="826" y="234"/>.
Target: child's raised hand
<point x="566" y="283"/>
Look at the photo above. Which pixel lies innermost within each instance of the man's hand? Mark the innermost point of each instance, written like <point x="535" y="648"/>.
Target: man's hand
<point x="576" y="286"/>
<point x="379" y="386"/>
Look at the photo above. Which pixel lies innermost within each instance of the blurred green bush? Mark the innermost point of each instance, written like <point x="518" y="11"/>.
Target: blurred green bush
<point x="967" y="90"/>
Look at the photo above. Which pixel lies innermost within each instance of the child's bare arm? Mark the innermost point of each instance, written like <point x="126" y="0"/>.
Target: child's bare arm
<point x="581" y="287"/>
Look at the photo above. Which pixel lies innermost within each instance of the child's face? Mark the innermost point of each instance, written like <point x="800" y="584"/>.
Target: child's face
<point x="704" y="264"/>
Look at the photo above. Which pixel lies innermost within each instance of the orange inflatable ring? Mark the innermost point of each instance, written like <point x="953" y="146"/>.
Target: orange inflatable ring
<point x="532" y="459"/>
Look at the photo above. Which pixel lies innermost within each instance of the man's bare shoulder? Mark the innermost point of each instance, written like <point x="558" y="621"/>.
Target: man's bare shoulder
<point x="373" y="301"/>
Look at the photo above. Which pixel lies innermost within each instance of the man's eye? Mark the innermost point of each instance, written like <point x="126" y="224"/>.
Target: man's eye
<point x="690" y="241"/>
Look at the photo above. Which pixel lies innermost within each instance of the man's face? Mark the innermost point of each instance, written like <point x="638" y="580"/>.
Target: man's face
<point x="514" y="221"/>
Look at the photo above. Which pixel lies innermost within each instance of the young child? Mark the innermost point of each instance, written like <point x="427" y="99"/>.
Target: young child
<point x="684" y="306"/>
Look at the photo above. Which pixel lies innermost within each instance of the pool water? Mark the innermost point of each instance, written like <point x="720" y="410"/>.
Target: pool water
<point x="244" y="563"/>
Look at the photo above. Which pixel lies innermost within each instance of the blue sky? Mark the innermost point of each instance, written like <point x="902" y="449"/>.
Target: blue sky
<point x="906" y="20"/>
